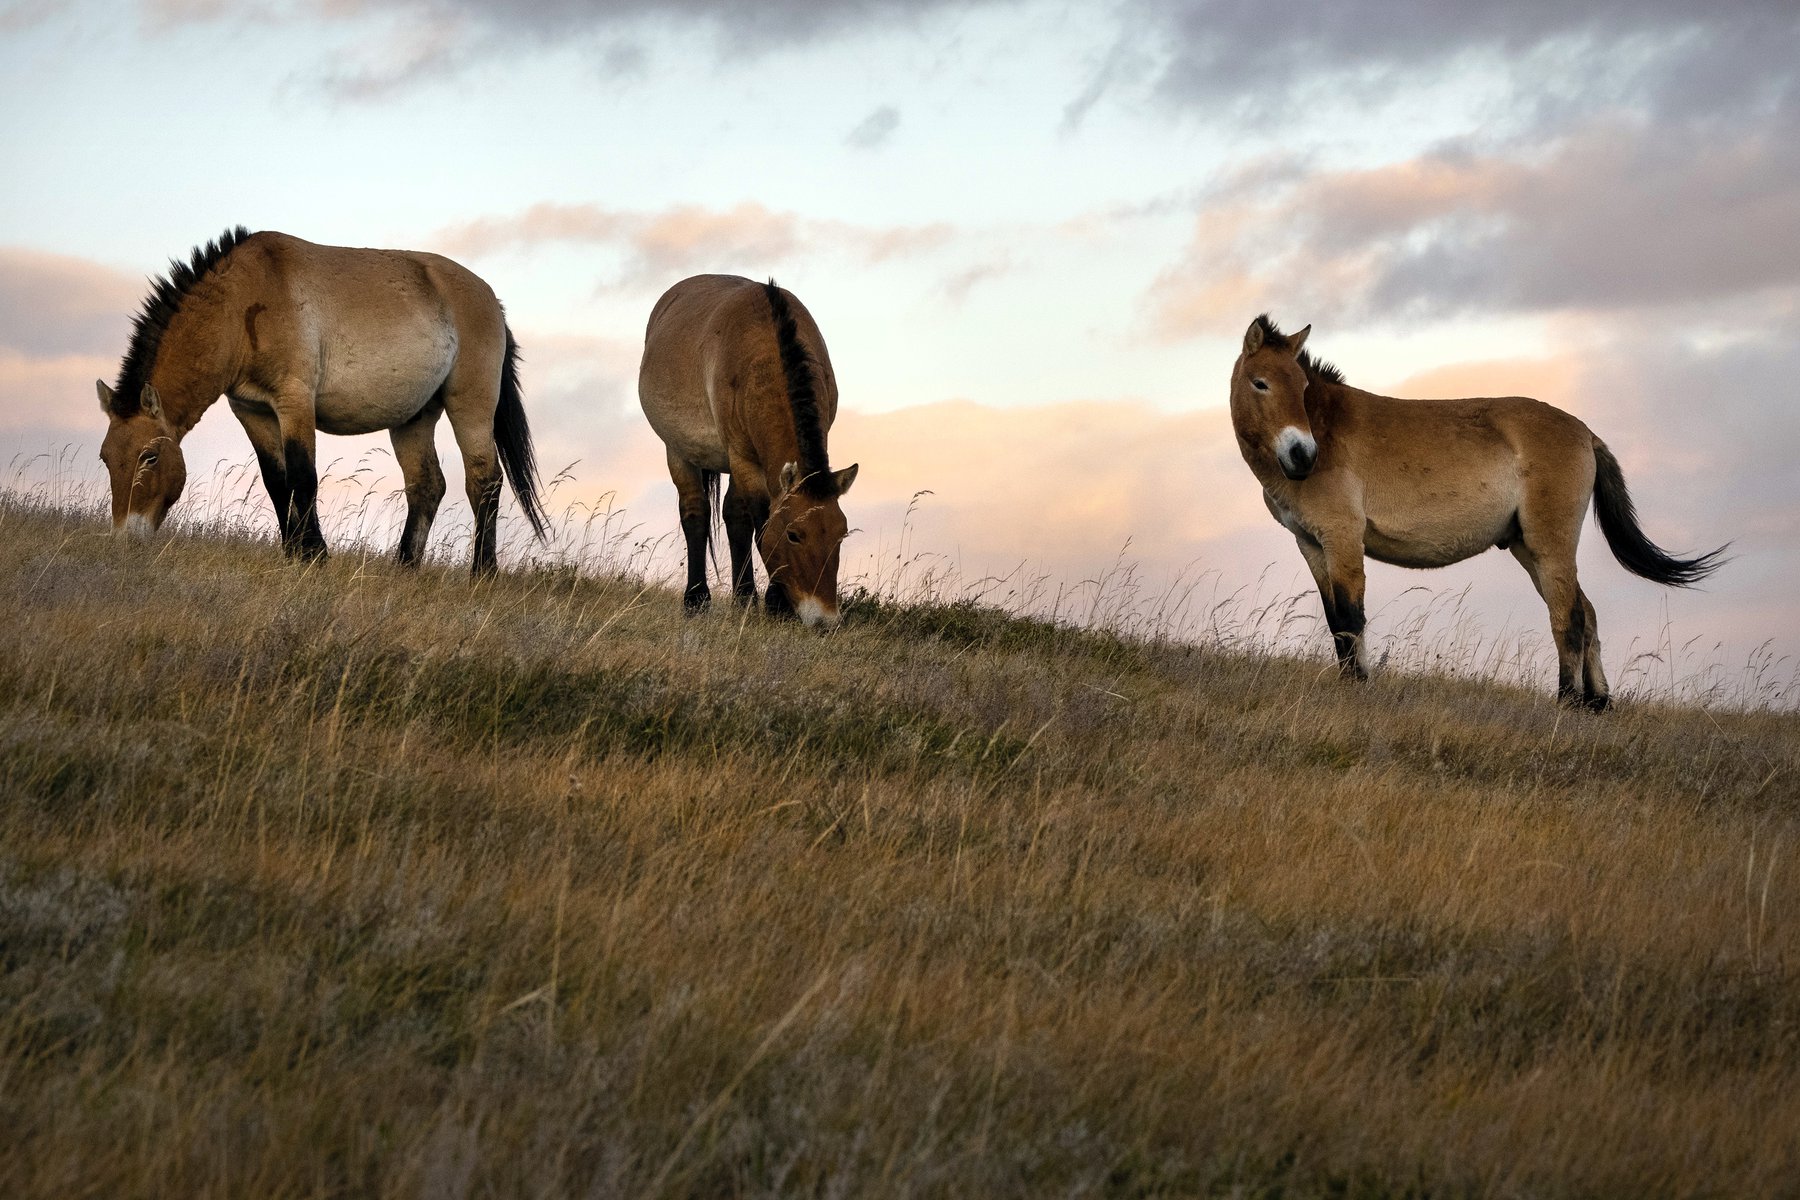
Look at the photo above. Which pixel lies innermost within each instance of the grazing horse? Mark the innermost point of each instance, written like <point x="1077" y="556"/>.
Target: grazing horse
<point x="304" y="338"/>
<point x="735" y="379"/>
<point x="1425" y="483"/>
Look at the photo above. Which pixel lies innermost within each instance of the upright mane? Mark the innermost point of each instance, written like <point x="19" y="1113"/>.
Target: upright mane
<point x="803" y="397"/>
<point x="1315" y="368"/>
<point x="160" y="306"/>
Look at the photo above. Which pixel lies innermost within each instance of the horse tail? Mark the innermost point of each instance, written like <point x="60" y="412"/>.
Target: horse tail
<point x="512" y="436"/>
<point x="1635" y="552"/>
<point x="710" y="481"/>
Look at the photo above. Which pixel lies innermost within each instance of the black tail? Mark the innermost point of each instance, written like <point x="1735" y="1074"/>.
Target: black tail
<point x="1635" y="552"/>
<point x="710" y="479"/>
<point x="513" y="438"/>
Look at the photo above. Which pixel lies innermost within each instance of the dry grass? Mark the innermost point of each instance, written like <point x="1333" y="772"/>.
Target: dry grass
<point x="344" y="881"/>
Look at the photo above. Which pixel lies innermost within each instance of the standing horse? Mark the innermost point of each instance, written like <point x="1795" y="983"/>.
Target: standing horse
<point x="1425" y="483"/>
<point x="304" y="338"/>
<point x="735" y="379"/>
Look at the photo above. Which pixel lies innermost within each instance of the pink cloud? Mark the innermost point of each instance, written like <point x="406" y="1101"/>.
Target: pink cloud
<point x="662" y="245"/>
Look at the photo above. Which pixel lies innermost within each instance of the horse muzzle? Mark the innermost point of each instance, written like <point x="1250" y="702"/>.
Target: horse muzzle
<point x="1297" y="453"/>
<point x="135" y="527"/>
<point x="816" y="616"/>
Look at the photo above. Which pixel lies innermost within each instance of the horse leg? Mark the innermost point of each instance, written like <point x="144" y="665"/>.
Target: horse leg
<point x="1553" y="574"/>
<point x="740" y="532"/>
<point x="415" y="448"/>
<point x="265" y="437"/>
<point x="1596" y="693"/>
<point x="775" y="598"/>
<point x="302" y="536"/>
<point x="470" y="396"/>
<point x="1340" y="581"/>
<point x="696" y="528"/>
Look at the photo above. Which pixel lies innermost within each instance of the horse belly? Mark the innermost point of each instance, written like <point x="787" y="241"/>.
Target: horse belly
<point x="370" y="386"/>
<point x="1437" y="536"/>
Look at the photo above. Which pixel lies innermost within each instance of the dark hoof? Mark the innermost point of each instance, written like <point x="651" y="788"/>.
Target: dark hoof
<point x="745" y="599"/>
<point x="1599" y="703"/>
<point x="696" y="601"/>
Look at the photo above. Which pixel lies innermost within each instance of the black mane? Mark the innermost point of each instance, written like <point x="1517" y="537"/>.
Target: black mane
<point x="160" y="306"/>
<point x="798" y="368"/>
<point x="1315" y="368"/>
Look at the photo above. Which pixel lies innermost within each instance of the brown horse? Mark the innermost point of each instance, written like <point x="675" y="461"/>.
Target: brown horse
<point x="736" y="379"/>
<point x="1425" y="483"/>
<point x="304" y="338"/>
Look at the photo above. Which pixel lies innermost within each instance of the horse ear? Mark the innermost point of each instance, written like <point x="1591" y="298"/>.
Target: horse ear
<point x="1253" y="337"/>
<point x="845" y="478"/>
<point x="790" y="475"/>
<point x="106" y="396"/>
<point x="153" y="402"/>
<point x="1297" y="340"/>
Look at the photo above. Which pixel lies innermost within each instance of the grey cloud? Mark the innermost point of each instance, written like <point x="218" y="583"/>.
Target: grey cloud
<point x="1248" y="59"/>
<point x="52" y="305"/>
<point x="1618" y="214"/>
<point x="738" y="26"/>
<point x="874" y="130"/>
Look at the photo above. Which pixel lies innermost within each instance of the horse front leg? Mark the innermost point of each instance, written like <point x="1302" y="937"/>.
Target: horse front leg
<point x="301" y="535"/>
<point x="740" y="533"/>
<point x="265" y="438"/>
<point x="1337" y="570"/>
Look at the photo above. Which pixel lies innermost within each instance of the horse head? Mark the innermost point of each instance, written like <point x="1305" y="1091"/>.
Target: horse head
<point x="800" y="543"/>
<point x="143" y="460"/>
<point x="1268" y="401"/>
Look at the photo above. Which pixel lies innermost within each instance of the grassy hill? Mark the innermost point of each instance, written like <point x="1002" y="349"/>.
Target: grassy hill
<point x="342" y="881"/>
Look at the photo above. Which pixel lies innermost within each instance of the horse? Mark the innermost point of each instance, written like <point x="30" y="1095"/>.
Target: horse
<point x="303" y="338"/>
<point x="1426" y="483"/>
<point x="735" y="380"/>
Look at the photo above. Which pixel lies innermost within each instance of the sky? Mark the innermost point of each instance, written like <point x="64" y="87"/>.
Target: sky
<point x="1033" y="234"/>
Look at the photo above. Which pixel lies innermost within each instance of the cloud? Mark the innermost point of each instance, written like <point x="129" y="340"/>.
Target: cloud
<point x="403" y="42"/>
<point x="874" y="130"/>
<point x="54" y="304"/>
<point x="656" y="247"/>
<point x="1243" y="60"/>
<point x="1614" y="215"/>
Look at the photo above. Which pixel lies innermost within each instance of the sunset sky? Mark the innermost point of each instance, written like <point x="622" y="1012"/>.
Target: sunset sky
<point x="1033" y="234"/>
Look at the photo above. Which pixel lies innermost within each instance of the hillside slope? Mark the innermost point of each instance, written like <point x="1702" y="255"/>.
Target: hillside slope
<point x="342" y="880"/>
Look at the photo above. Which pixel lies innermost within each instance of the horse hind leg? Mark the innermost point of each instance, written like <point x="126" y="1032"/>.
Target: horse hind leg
<point x="470" y="397"/>
<point x="415" y="448"/>
<point x="695" y="504"/>
<point x="1596" y="694"/>
<point x="1554" y="578"/>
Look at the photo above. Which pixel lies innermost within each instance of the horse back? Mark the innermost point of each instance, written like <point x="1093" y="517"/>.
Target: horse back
<point x="711" y="375"/>
<point x="376" y="332"/>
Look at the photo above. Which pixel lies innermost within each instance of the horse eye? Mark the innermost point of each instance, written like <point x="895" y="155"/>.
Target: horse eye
<point x="148" y="460"/>
<point x="793" y="535"/>
<point x="1259" y="385"/>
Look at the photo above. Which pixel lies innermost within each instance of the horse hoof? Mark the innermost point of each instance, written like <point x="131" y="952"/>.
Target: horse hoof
<point x="1599" y="703"/>
<point x="695" y="603"/>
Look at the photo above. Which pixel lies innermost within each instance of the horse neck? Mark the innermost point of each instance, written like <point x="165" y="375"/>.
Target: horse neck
<point x="769" y="424"/>
<point x="1323" y="400"/>
<point x="195" y="362"/>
